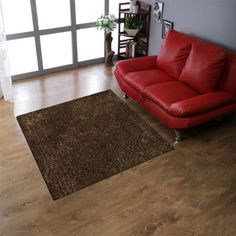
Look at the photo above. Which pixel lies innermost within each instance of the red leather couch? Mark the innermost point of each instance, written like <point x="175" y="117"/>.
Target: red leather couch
<point x="190" y="82"/>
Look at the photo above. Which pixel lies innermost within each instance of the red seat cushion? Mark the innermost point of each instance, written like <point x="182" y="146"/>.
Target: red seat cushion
<point x="201" y="104"/>
<point x="203" y="67"/>
<point x="174" y="52"/>
<point x="165" y="94"/>
<point x="141" y="79"/>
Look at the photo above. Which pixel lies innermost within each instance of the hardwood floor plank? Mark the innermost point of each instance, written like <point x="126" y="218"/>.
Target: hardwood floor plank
<point x="188" y="191"/>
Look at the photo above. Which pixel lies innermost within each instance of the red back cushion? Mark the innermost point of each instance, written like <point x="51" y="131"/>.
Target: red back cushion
<point x="228" y="81"/>
<point x="174" y="52"/>
<point x="203" y="67"/>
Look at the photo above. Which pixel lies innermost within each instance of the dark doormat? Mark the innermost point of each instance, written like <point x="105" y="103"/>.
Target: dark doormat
<point x="81" y="142"/>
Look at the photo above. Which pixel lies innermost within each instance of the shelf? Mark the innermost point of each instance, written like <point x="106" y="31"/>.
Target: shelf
<point x="138" y="35"/>
<point x="126" y="42"/>
<point x="140" y="12"/>
<point x="122" y="56"/>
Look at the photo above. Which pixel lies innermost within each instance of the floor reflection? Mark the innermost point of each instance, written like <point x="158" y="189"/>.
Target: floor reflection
<point x="40" y="92"/>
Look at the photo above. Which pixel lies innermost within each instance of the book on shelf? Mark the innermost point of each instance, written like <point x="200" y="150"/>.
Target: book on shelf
<point x="130" y="49"/>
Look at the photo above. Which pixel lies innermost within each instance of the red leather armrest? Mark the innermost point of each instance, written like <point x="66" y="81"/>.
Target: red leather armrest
<point x="136" y="64"/>
<point x="201" y="104"/>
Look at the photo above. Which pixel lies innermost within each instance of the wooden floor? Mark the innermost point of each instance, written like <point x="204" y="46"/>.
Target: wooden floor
<point x="188" y="191"/>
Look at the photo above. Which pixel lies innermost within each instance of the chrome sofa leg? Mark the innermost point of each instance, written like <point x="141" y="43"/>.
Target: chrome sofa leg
<point x="178" y="136"/>
<point x="125" y="96"/>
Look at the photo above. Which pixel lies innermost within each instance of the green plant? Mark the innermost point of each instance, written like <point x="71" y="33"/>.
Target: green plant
<point x="107" y="23"/>
<point x="132" y="22"/>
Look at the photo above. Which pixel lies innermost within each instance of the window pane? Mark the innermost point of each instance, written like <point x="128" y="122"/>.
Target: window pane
<point x="53" y="13"/>
<point x="89" y="11"/>
<point x="17" y="16"/>
<point x="113" y="9"/>
<point x="22" y="55"/>
<point x="56" y="49"/>
<point x="114" y="6"/>
<point x="90" y="43"/>
<point x="115" y="41"/>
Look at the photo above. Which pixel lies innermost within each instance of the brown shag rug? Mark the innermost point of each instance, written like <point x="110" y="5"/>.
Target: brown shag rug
<point x="81" y="142"/>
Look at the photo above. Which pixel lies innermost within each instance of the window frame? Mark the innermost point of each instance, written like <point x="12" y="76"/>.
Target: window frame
<point x="36" y="33"/>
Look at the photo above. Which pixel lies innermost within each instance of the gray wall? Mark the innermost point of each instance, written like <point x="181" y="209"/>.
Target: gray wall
<point x="213" y="20"/>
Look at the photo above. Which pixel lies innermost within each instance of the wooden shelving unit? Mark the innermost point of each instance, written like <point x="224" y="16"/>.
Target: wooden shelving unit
<point x="142" y="38"/>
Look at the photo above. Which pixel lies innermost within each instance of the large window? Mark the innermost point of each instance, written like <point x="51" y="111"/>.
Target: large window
<point x="51" y="35"/>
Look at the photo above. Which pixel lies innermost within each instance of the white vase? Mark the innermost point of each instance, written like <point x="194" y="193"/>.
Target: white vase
<point x="132" y="4"/>
<point x="131" y="32"/>
<point x="135" y="9"/>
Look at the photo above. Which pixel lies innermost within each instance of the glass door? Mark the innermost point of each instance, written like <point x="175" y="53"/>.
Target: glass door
<point x="90" y="41"/>
<point x="54" y="25"/>
<point x="22" y="49"/>
<point x="52" y="35"/>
